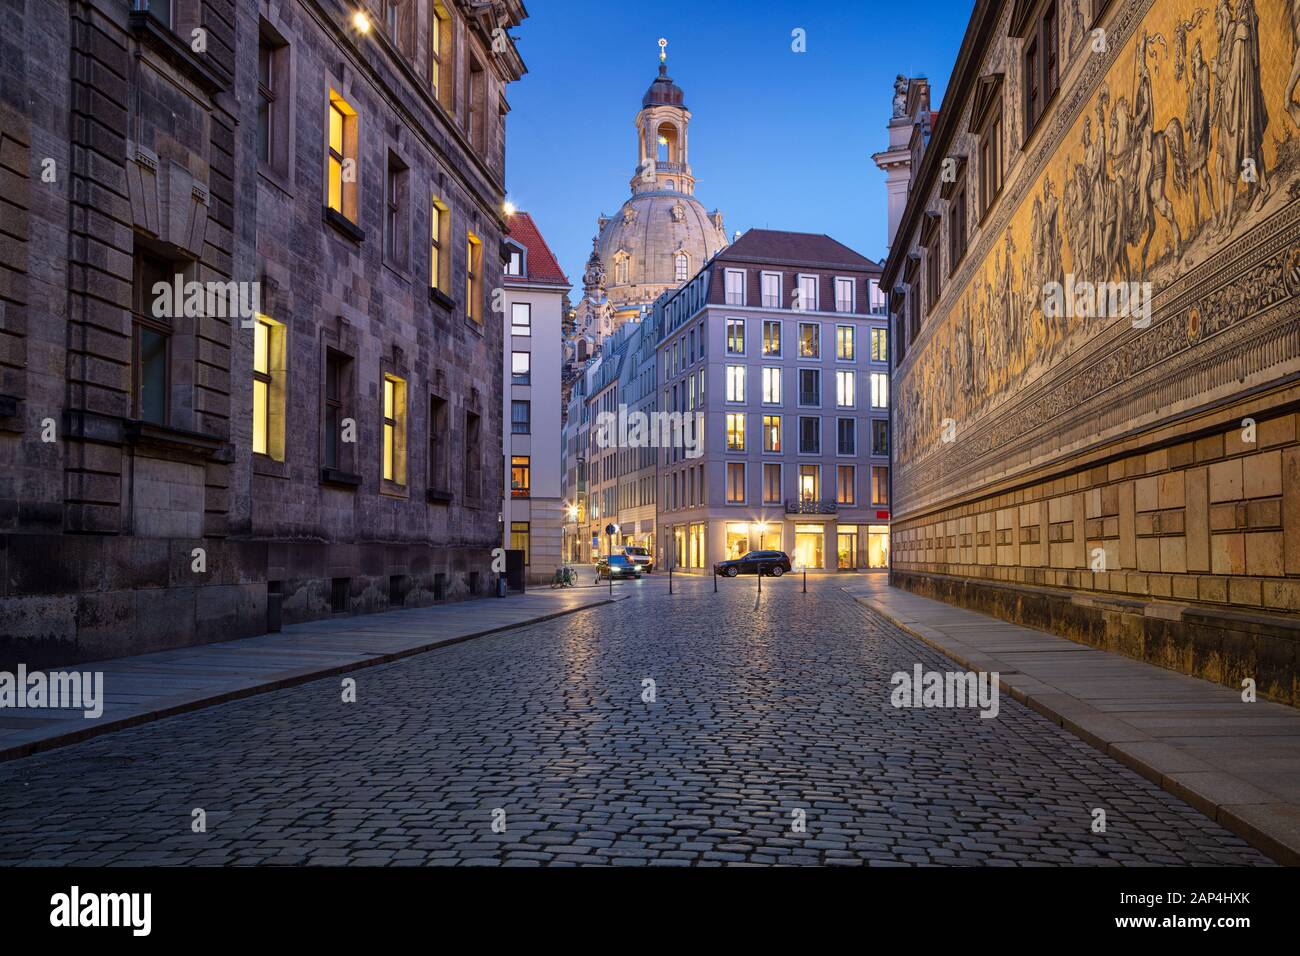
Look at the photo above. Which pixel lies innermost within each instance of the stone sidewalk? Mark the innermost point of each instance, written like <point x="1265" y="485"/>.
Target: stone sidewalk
<point x="150" y="686"/>
<point x="1237" y="763"/>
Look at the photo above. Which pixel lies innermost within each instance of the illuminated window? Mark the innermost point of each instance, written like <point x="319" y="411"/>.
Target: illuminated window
<point x="438" y="221"/>
<point x="735" y="336"/>
<point x="341" y="175"/>
<point x="809" y="482"/>
<point x="772" y="337"/>
<point x="844" y="387"/>
<point x="844" y="342"/>
<point x="268" y="388"/>
<point x="520" y="476"/>
<point x="440" y="55"/>
<point x="736" y="432"/>
<point x="394" y="429"/>
<point x="880" y="485"/>
<point x="879" y="390"/>
<point x="473" y="278"/>
<point x="735" y="383"/>
<point x="809" y="340"/>
<point x="879" y="345"/>
<point x="771" y="386"/>
<point x="772" y="433"/>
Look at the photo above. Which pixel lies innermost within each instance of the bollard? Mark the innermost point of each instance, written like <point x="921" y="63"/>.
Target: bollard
<point x="670" y="579"/>
<point x="611" y="582"/>
<point x="805" y="579"/>
<point x="715" y="580"/>
<point x="760" y="577"/>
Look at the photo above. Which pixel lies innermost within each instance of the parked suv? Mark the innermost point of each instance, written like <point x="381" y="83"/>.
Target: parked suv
<point x="775" y="563"/>
<point x="641" y="557"/>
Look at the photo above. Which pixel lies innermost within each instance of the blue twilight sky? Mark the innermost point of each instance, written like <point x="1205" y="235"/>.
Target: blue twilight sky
<point x="778" y="140"/>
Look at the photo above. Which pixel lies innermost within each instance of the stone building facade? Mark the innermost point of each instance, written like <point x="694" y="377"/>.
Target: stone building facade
<point x="321" y="437"/>
<point x="1077" y="450"/>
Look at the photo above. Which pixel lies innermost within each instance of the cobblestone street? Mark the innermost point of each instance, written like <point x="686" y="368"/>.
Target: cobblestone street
<point x="758" y="714"/>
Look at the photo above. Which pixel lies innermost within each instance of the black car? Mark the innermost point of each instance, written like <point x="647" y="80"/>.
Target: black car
<point x="775" y="563"/>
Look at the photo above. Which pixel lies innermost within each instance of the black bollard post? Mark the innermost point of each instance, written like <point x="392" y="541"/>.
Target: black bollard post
<point x="805" y="579"/>
<point x="611" y="582"/>
<point x="670" y="579"/>
<point x="715" y="580"/>
<point x="760" y="578"/>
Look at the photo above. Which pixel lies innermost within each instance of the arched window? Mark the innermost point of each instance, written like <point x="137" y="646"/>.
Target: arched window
<point x="666" y="137"/>
<point x="683" y="267"/>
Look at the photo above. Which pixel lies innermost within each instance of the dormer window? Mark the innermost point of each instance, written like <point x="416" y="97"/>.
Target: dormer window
<point x="515" y="262"/>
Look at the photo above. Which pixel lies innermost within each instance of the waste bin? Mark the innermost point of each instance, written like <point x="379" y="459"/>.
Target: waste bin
<point x="501" y="585"/>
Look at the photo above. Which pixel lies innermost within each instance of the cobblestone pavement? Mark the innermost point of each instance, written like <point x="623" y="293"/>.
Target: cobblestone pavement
<point x="758" y="713"/>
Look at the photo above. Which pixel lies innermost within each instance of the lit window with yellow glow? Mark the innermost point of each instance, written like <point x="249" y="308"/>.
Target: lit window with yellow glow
<point x="735" y="432"/>
<point x="394" y="464"/>
<point x="437" y="242"/>
<point x="341" y="172"/>
<point x="439" y="54"/>
<point x="268" y="388"/>
<point x="473" y="277"/>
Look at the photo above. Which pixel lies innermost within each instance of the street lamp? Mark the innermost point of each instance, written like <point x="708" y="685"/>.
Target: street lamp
<point x="361" y="22"/>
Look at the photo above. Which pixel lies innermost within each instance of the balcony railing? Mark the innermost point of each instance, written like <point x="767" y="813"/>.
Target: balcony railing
<point x="810" y="506"/>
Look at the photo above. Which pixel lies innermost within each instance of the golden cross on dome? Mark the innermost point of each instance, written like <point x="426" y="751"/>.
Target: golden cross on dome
<point x="663" y="50"/>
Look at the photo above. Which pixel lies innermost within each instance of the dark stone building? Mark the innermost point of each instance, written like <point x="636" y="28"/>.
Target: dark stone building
<point x="313" y="426"/>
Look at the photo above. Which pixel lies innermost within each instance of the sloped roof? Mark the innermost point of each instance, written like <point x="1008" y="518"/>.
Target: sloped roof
<point x="543" y="267"/>
<point x="776" y="245"/>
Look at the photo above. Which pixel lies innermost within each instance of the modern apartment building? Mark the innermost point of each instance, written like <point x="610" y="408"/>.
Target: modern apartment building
<point x="780" y="344"/>
<point x="316" y="430"/>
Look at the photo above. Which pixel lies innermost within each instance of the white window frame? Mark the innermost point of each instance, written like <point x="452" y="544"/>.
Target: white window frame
<point x="780" y="386"/>
<point x="798" y="438"/>
<point x="843" y="375"/>
<point x="780" y="288"/>
<point x="735" y="373"/>
<point x="798" y="342"/>
<point x="744" y="335"/>
<point x="816" y="286"/>
<point x="780" y="487"/>
<point x="854" y="331"/>
<point x="853" y="294"/>
<point x="744" y="483"/>
<point x="880" y="379"/>
<point x="846" y="418"/>
<point x="726" y="286"/>
<point x="798" y="388"/>
<point x="780" y="335"/>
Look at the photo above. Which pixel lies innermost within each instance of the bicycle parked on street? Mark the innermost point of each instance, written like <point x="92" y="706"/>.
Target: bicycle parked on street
<point x="564" y="577"/>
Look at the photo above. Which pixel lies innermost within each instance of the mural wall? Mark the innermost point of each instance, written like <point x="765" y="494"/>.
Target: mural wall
<point x="1174" y="149"/>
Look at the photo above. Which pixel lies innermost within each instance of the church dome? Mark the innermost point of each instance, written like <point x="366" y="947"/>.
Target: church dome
<point x="642" y="245"/>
